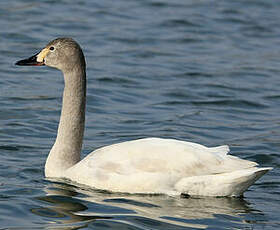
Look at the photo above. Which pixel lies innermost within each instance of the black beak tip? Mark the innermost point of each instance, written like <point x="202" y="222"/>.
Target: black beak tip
<point x="19" y="63"/>
<point x="29" y="62"/>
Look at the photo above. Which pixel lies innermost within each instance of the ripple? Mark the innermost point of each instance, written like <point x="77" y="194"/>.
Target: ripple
<point x="132" y="202"/>
<point x="117" y="80"/>
<point x="15" y="148"/>
<point x="231" y="103"/>
<point x="179" y="23"/>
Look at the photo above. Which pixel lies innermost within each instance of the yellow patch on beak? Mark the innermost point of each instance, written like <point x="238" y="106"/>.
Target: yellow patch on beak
<point x="42" y="55"/>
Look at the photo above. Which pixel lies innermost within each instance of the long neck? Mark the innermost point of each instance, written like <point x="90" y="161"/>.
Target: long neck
<point x="67" y="148"/>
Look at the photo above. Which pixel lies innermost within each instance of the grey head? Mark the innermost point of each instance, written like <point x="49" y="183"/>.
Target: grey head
<point x="64" y="54"/>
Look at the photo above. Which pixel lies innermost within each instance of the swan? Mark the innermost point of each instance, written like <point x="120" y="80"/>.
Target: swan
<point x="144" y="166"/>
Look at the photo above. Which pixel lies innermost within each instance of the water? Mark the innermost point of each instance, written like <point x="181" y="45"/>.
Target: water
<point x="202" y="71"/>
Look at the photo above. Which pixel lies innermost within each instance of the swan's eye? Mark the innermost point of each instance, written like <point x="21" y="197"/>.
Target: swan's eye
<point x="52" y="48"/>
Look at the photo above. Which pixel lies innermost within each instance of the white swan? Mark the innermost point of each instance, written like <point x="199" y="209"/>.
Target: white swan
<point x="150" y="165"/>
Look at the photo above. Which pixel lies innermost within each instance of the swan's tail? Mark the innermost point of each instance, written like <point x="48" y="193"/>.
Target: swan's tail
<point x="222" y="184"/>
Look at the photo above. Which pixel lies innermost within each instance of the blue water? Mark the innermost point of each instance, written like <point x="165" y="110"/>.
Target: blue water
<point x="202" y="71"/>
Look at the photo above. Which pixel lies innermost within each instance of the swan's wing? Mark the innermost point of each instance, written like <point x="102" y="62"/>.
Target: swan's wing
<point x="159" y="155"/>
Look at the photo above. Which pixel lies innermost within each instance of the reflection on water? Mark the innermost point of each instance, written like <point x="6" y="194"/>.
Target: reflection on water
<point x="70" y="207"/>
<point x="63" y="208"/>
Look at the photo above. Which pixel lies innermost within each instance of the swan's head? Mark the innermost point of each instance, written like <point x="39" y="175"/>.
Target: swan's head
<point x="62" y="53"/>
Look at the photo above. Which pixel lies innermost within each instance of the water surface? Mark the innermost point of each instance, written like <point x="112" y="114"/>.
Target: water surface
<point x="201" y="71"/>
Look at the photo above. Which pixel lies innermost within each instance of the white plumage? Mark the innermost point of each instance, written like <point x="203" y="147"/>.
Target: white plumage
<point x="155" y="165"/>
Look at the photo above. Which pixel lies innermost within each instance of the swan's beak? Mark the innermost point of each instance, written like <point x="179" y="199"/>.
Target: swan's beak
<point x="36" y="60"/>
<point x="30" y="61"/>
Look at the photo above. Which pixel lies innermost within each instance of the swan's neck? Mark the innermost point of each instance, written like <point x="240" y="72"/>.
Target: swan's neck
<point x="66" y="150"/>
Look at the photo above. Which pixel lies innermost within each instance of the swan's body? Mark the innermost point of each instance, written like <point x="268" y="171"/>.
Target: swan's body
<point x="150" y="165"/>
